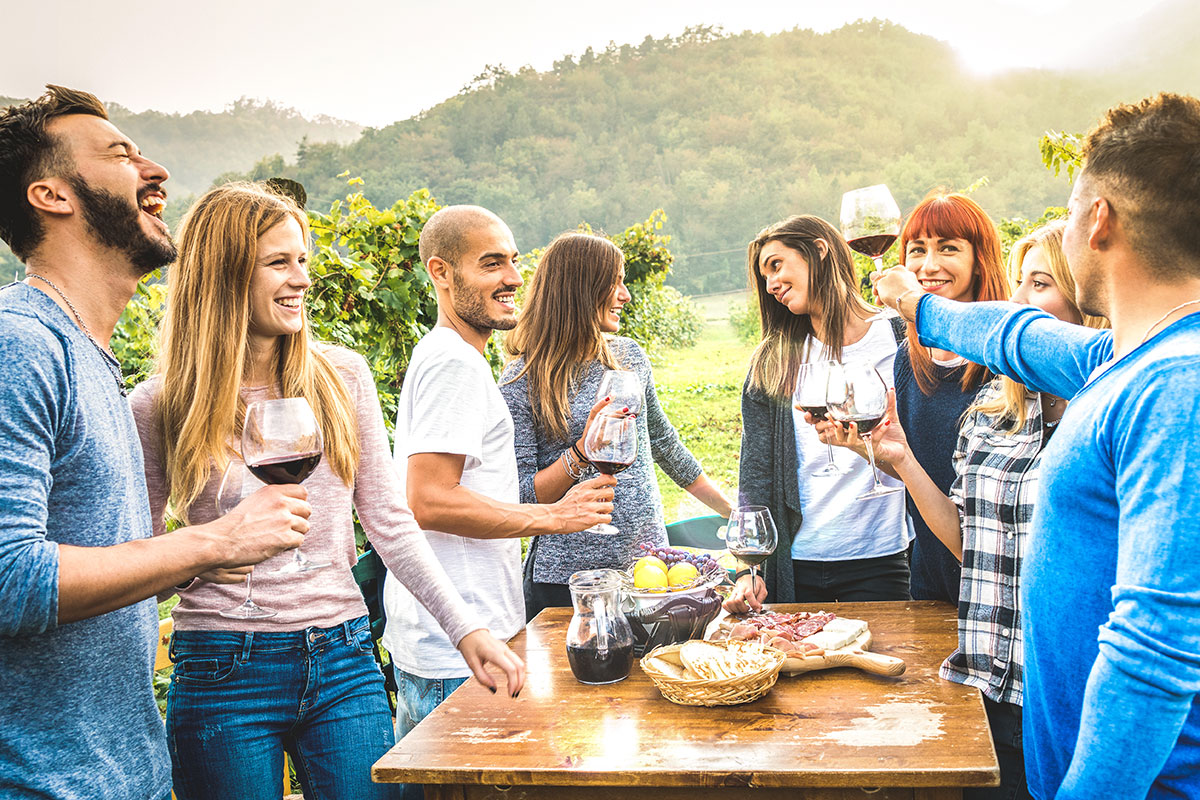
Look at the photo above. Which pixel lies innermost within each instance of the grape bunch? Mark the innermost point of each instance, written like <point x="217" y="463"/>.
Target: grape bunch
<point x="673" y="555"/>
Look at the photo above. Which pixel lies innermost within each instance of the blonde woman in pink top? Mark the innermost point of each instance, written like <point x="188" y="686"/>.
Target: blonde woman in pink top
<point x="245" y="690"/>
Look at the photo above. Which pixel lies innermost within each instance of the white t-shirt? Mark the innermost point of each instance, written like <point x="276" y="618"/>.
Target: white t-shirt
<point x="450" y="404"/>
<point x="837" y="525"/>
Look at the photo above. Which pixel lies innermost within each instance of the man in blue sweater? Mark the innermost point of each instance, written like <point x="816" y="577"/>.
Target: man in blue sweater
<point x="81" y="207"/>
<point x="1111" y="583"/>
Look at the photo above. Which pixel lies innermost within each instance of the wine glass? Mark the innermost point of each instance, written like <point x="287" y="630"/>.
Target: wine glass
<point x="236" y="484"/>
<point x="856" y="393"/>
<point x="624" y="389"/>
<point x="811" y="380"/>
<point x="281" y="443"/>
<point x="751" y="536"/>
<point x="610" y="444"/>
<point x="870" y="222"/>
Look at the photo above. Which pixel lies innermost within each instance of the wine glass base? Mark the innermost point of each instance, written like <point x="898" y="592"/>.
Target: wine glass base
<point x="294" y="567"/>
<point x="603" y="529"/>
<point x="879" y="492"/>
<point x="828" y="471"/>
<point x="248" y="610"/>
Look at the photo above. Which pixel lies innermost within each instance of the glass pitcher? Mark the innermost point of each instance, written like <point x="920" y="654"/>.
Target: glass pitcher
<point x="599" y="639"/>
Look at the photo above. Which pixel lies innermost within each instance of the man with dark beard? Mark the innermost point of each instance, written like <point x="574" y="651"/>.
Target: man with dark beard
<point x="454" y="450"/>
<point x="81" y="206"/>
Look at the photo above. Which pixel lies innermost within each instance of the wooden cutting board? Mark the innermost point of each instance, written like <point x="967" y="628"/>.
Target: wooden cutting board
<point x="846" y="643"/>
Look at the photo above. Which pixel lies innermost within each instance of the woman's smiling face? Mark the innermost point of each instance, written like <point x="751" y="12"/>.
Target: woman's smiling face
<point x="945" y="267"/>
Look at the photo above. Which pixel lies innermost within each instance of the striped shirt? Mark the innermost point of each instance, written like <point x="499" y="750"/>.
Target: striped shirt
<point x="993" y="490"/>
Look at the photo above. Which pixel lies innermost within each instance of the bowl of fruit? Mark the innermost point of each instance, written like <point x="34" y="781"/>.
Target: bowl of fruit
<point x="669" y="596"/>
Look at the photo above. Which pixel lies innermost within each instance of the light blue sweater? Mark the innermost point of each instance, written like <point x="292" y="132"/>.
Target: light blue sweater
<point x="77" y="712"/>
<point x="1111" y="580"/>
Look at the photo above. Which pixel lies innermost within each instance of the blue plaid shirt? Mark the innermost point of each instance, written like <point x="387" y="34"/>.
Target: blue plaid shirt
<point x="994" y="490"/>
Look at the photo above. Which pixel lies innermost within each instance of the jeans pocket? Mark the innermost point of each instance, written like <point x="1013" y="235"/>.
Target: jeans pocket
<point x="204" y="669"/>
<point x="362" y="640"/>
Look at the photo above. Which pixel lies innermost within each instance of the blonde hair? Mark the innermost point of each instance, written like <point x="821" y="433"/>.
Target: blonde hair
<point x="832" y="288"/>
<point x="205" y="341"/>
<point x="1011" y="401"/>
<point x="559" y="328"/>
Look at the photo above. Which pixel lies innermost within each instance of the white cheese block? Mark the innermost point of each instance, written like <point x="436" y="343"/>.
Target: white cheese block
<point x="837" y="633"/>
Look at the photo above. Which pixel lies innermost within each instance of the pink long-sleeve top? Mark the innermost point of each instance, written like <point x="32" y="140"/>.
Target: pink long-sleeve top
<point x="326" y="597"/>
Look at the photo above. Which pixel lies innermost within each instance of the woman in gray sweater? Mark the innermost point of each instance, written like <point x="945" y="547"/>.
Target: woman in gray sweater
<point x="561" y="348"/>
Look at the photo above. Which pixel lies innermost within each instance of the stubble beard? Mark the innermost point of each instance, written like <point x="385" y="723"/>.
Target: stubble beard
<point x="116" y="223"/>
<point x="471" y="308"/>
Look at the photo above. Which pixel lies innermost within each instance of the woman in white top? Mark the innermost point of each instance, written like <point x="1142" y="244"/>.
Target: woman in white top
<point x="832" y="547"/>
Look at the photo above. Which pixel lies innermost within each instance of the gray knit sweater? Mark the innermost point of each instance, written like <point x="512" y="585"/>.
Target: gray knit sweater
<point x="637" y="508"/>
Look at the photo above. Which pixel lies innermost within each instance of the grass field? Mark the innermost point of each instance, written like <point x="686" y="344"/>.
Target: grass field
<point x="700" y="388"/>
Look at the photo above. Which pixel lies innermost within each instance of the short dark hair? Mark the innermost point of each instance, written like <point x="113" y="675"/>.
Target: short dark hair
<point x="29" y="153"/>
<point x="1147" y="155"/>
<point x="446" y="233"/>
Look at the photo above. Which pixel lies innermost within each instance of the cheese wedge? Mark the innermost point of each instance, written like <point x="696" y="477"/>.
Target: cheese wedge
<point x="837" y="633"/>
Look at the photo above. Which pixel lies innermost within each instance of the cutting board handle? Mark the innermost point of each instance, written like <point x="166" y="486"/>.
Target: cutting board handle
<point x="866" y="661"/>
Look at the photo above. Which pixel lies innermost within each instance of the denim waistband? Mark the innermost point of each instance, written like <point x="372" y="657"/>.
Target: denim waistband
<point x="268" y="641"/>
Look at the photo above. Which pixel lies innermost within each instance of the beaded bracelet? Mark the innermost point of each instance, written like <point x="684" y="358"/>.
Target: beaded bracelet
<point x="574" y="473"/>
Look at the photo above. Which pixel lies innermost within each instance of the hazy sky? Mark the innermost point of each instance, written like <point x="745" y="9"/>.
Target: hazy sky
<point x="408" y="56"/>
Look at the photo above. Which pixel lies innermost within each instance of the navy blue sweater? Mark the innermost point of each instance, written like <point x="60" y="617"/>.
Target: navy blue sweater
<point x="931" y="424"/>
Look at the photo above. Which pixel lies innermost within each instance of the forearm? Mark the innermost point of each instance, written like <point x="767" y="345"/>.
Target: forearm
<point x="463" y="512"/>
<point x="704" y="490"/>
<point x="938" y="511"/>
<point x="551" y="483"/>
<point x="96" y="580"/>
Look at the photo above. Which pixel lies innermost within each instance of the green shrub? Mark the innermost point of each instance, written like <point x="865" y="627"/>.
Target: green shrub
<point x="743" y="317"/>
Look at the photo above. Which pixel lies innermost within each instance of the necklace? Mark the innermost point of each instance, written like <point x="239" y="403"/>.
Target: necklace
<point x="1164" y="316"/>
<point x="108" y="358"/>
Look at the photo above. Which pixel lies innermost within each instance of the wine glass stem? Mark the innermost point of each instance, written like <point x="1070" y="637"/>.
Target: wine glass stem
<point x="830" y="446"/>
<point x="249" y="588"/>
<point x="871" y="454"/>
<point x="878" y="260"/>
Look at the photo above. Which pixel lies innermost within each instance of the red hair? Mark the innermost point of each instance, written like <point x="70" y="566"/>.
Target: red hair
<point x="956" y="216"/>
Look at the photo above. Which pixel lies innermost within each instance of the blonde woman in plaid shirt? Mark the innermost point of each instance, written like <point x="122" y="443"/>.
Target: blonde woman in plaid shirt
<point x="985" y="519"/>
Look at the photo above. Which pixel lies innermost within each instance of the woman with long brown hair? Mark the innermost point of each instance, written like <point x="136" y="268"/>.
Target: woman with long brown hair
<point x="561" y="347"/>
<point x="245" y="690"/>
<point x="832" y="547"/>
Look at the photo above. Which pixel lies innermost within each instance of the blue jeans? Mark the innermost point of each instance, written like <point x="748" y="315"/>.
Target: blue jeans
<point x="416" y="697"/>
<point x="238" y="700"/>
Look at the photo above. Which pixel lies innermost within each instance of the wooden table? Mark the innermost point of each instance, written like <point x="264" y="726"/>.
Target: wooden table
<point x="820" y="736"/>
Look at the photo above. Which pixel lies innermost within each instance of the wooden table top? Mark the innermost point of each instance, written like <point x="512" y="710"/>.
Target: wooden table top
<point x="835" y="728"/>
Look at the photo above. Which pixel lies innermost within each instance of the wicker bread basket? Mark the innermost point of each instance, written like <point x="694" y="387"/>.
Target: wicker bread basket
<point x="724" y="691"/>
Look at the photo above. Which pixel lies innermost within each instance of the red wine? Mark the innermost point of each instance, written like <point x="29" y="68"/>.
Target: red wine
<point x="751" y="557"/>
<point x="289" y="469"/>
<point x="589" y="667"/>
<point x="873" y="246"/>
<point x="865" y="424"/>
<point x="610" y="467"/>
<point x="818" y="412"/>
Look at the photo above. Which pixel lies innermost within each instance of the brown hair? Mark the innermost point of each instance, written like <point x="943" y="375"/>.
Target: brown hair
<point x="832" y="287"/>
<point x="956" y="216"/>
<point x="205" y="344"/>
<point x="559" y="327"/>
<point x="29" y="153"/>
<point x="1147" y="156"/>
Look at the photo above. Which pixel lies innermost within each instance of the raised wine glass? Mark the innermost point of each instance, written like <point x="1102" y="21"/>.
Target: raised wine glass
<point x="811" y="381"/>
<point x="623" y="388"/>
<point x="610" y="444"/>
<point x="281" y="443"/>
<point x="236" y="484"/>
<point x="751" y="536"/>
<point x="856" y="393"/>
<point x="871" y="222"/>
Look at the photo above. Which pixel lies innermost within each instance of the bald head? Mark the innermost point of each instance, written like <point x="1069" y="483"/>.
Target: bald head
<point x="448" y="233"/>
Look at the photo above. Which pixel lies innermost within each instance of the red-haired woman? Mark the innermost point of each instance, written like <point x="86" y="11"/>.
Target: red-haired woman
<point x="954" y="249"/>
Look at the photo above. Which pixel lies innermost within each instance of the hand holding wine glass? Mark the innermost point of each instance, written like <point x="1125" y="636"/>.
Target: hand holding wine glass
<point x="281" y="444"/>
<point x="811" y="380"/>
<point x="751" y="536"/>
<point x="857" y="394"/>
<point x="610" y="444"/>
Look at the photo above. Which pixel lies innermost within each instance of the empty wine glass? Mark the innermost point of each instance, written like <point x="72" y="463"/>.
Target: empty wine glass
<point x="856" y="393"/>
<point x="751" y="536"/>
<point x="236" y="484"/>
<point x="811" y="380"/>
<point x="623" y="388"/>
<point x="281" y="443"/>
<point x="610" y="444"/>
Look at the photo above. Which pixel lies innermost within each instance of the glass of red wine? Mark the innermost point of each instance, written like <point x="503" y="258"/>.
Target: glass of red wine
<point x="856" y="393"/>
<point x="610" y="444"/>
<point x="811" y="380"/>
<point x="236" y="484"/>
<point x="870" y="221"/>
<point x="624" y="389"/>
<point x="281" y="443"/>
<point x="751" y="536"/>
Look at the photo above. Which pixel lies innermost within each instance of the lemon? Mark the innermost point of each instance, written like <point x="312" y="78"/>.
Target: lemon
<point x="654" y="560"/>
<point x="681" y="574"/>
<point x="649" y="576"/>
